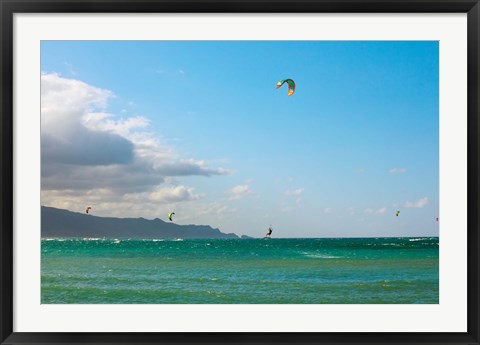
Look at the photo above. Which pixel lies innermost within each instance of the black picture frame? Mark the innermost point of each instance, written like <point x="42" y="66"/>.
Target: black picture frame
<point x="9" y="7"/>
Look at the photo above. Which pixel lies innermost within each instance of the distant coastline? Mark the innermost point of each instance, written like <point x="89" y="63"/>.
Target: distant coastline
<point x="64" y="223"/>
<point x="61" y="223"/>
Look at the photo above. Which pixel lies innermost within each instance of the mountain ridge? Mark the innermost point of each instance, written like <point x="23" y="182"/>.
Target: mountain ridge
<point x="56" y="222"/>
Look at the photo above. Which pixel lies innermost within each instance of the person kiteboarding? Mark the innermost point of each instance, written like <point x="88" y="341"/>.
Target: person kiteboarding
<point x="269" y="232"/>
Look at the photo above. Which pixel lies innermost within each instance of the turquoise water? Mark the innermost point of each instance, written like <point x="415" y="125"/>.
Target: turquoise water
<point x="299" y="271"/>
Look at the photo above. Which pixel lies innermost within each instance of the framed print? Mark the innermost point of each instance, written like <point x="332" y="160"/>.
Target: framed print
<point x="233" y="171"/>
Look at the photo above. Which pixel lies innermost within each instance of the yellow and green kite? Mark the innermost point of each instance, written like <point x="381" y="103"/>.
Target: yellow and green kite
<point x="291" y="85"/>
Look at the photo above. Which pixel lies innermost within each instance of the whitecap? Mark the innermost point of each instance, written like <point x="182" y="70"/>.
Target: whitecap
<point x="321" y="256"/>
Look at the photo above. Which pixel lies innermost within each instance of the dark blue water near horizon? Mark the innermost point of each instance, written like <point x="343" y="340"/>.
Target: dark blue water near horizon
<point x="240" y="271"/>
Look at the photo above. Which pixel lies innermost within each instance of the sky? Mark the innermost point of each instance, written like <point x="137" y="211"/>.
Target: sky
<point x="145" y="128"/>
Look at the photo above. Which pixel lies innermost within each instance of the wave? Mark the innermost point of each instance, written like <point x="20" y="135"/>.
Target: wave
<point x="320" y="256"/>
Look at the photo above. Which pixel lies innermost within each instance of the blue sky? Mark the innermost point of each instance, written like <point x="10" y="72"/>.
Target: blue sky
<point x="197" y="127"/>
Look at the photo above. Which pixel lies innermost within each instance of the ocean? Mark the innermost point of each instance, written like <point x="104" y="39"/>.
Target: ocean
<point x="240" y="271"/>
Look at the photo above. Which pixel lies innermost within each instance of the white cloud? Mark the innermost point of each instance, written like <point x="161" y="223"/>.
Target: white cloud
<point x="65" y="140"/>
<point x="65" y="101"/>
<point x="420" y="203"/>
<point x="85" y="149"/>
<point x="327" y="210"/>
<point x="106" y="123"/>
<point x="370" y="210"/>
<point x="397" y="171"/>
<point x="296" y="192"/>
<point x="70" y="68"/>
<point x="214" y="208"/>
<point x="156" y="204"/>
<point x="239" y="191"/>
<point x="175" y="194"/>
<point x="382" y="210"/>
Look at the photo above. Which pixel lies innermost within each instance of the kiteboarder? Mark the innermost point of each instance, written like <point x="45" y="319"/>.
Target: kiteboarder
<point x="269" y="232"/>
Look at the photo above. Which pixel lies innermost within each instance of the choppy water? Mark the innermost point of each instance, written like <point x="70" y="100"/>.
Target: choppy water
<point x="299" y="271"/>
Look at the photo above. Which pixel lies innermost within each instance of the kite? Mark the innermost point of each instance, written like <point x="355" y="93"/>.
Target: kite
<point x="398" y="212"/>
<point x="88" y="209"/>
<point x="170" y="215"/>
<point x="291" y="85"/>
